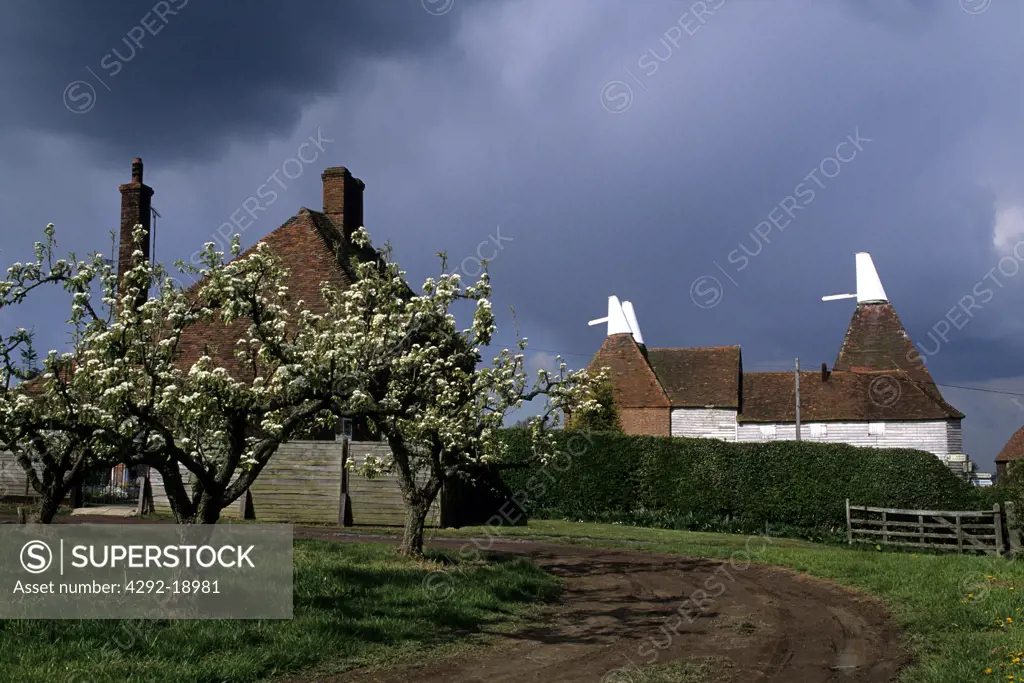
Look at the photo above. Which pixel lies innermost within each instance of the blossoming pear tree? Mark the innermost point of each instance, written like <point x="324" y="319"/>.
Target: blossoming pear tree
<point x="132" y="390"/>
<point x="439" y="409"/>
<point x="128" y="389"/>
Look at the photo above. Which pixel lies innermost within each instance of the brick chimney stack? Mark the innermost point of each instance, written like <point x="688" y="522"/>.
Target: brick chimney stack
<point x="136" y="200"/>
<point x="343" y="199"/>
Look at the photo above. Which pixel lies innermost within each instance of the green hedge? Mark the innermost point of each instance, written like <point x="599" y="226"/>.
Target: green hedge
<point x="711" y="484"/>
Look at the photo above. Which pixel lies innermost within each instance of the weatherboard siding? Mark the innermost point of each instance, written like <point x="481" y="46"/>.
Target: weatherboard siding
<point x="955" y="436"/>
<point x="719" y="423"/>
<point x="940" y="437"/>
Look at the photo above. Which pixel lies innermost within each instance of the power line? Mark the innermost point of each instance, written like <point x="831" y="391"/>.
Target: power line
<point x="787" y="369"/>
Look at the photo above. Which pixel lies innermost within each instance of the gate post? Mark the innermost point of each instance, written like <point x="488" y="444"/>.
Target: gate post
<point x="849" y="524"/>
<point x="344" y="517"/>
<point x="1013" y="530"/>
<point x="997" y="518"/>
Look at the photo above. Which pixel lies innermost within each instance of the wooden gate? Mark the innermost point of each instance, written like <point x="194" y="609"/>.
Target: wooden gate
<point x="978" y="531"/>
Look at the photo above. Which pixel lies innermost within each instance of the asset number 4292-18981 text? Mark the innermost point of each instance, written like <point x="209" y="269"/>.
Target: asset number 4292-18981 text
<point x="160" y="587"/>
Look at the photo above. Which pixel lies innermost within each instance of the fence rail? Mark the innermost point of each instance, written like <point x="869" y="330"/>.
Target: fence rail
<point x="960" y="530"/>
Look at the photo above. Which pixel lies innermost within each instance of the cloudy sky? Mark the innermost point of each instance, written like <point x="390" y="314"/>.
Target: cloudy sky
<point x="645" y="149"/>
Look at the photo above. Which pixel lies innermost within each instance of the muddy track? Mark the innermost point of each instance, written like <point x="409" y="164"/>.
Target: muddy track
<point x="623" y="610"/>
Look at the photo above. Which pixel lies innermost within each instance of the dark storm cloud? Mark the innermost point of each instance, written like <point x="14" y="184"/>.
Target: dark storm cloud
<point x="183" y="79"/>
<point x="492" y="114"/>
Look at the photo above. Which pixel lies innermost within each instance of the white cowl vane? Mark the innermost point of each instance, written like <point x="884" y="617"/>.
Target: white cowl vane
<point x="869" y="286"/>
<point x="621" y="319"/>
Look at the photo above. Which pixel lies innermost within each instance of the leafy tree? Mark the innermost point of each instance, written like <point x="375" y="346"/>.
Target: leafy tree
<point x="439" y="410"/>
<point x="602" y="419"/>
<point x="1013" y="477"/>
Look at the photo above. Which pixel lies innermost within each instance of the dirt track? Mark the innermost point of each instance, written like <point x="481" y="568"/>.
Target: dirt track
<point x="625" y="609"/>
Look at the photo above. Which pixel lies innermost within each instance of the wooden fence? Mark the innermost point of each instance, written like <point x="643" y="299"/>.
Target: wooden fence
<point x="986" y="531"/>
<point x="14" y="484"/>
<point x="307" y="482"/>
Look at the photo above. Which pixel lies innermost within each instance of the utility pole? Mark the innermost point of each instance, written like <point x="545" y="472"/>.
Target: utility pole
<point x="797" y="376"/>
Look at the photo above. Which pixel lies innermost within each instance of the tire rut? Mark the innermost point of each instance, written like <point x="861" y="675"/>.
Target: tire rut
<point x="623" y="610"/>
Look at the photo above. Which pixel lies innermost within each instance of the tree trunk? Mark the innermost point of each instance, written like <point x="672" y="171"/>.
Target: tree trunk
<point x="206" y="511"/>
<point x="49" y="503"/>
<point x="209" y="509"/>
<point x="48" y="506"/>
<point x="415" y="520"/>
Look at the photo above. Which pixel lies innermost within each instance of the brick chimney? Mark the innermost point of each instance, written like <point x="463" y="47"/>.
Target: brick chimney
<point x="343" y="199"/>
<point x="824" y="372"/>
<point x="136" y="200"/>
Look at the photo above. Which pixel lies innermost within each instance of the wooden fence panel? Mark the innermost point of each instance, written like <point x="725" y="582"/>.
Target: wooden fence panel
<point x="974" y="530"/>
<point x="161" y="506"/>
<point x="378" y="501"/>
<point x="300" y="484"/>
<point x="13" y="480"/>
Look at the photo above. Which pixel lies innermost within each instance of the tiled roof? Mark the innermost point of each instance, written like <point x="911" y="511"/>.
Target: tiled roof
<point x="635" y="384"/>
<point x="699" y="377"/>
<point x="311" y="247"/>
<point x="1014" y="448"/>
<point x="844" y="396"/>
<point x="876" y="341"/>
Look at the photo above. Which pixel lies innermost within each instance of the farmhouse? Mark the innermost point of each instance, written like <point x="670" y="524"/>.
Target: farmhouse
<point x="878" y="393"/>
<point x="314" y="246"/>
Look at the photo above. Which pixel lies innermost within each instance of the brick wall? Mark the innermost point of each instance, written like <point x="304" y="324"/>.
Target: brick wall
<point x="645" y="421"/>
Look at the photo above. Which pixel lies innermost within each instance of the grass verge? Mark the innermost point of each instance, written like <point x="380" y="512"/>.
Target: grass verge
<point x="355" y="605"/>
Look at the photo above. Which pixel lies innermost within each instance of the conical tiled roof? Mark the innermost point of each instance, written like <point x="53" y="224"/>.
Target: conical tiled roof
<point x="1014" y="448"/>
<point x="876" y="342"/>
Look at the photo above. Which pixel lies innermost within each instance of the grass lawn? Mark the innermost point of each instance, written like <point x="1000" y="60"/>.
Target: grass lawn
<point x="355" y="605"/>
<point x="963" y="614"/>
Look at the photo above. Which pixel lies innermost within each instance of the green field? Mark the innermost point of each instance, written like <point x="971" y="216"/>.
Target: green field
<point x="355" y="605"/>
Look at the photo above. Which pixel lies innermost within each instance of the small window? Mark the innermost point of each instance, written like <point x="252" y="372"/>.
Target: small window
<point x="876" y="428"/>
<point x="818" y="430"/>
<point x="345" y="427"/>
<point x="767" y="431"/>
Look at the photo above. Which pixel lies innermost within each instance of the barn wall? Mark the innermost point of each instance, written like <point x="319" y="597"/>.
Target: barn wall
<point x="719" y="423"/>
<point x="955" y="436"/>
<point x="940" y="437"/>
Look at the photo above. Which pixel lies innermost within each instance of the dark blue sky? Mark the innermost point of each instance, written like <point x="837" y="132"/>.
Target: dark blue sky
<point x="625" y="148"/>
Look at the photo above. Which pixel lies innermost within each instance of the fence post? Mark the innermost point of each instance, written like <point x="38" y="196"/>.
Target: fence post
<point x="885" y="527"/>
<point x="997" y="518"/>
<point x="959" y="535"/>
<point x="144" y="506"/>
<point x="343" y="498"/>
<point x="1013" y="530"/>
<point x="920" y="527"/>
<point x="849" y="524"/>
